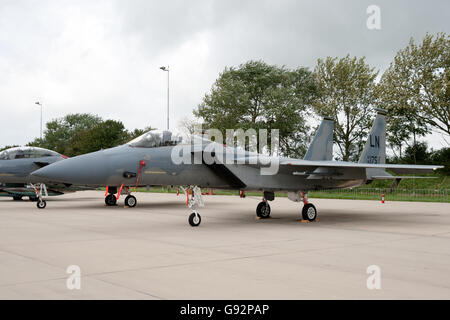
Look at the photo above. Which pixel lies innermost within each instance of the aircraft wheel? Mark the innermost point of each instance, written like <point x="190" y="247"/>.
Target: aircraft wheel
<point x="130" y="201"/>
<point x="41" y="204"/>
<point x="110" y="200"/>
<point x="263" y="210"/>
<point x="17" y="198"/>
<point x="195" y="219"/>
<point x="309" y="212"/>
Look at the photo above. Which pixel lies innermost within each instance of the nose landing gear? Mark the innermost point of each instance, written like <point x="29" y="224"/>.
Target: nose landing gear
<point x="195" y="219"/>
<point x="130" y="201"/>
<point x="110" y="200"/>
<point x="40" y="193"/>
<point x="194" y="200"/>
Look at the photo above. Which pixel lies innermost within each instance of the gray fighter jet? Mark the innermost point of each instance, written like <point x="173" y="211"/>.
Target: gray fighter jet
<point x="16" y="166"/>
<point x="154" y="160"/>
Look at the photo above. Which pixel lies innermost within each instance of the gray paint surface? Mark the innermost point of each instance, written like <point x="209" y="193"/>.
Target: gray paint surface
<point x="110" y="167"/>
<point x="148" y="253"/>
<point x="15" y="173"/>
<point x="321" y="147"/>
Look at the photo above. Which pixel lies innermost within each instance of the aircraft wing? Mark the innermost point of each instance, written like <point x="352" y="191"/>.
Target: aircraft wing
<point x="396" y="168"/>
<point x="25" y="191"/>
<point x="399" y="177"/>
<point x="16" y="191"/>
<point x="307" y="165"/>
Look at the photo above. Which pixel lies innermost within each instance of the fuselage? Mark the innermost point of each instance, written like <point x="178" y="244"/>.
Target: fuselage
<point x="130" y="166"/>
<point x="16" y="168"/>
<point x="19" y="170"/>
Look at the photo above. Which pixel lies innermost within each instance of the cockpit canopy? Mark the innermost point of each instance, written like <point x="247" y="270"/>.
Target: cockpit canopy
<point x="26" y="153"/>
<point x="156" y="138"/>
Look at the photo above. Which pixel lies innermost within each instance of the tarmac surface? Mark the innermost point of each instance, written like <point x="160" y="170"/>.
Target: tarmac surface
<point x="151" y="252"/>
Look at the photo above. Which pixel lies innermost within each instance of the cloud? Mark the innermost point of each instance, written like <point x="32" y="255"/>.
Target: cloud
<point x="103" y="57"/>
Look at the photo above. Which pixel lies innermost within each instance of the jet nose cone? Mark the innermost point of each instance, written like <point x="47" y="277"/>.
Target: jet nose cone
<point x="81" y="170"/>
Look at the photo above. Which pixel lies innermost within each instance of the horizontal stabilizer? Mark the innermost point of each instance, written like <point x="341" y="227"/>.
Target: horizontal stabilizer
<point x="400" y="177"/>
<point x="396" y="168"/>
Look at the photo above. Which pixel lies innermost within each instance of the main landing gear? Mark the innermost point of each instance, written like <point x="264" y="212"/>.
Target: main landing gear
<point x="263" y="208"/>
<point x="309" y="211"/>
<point x="194" y="200"/>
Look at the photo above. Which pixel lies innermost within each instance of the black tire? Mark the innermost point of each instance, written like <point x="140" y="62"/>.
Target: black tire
<point x="263" y="210"/>
<point x="309" y="212"/>
<point x="110" y="200"/>
<point x="41" y="204"/>
<point x="130" y="201"/>
<point x="195" y="219"/>
<point x="17" y="198"/>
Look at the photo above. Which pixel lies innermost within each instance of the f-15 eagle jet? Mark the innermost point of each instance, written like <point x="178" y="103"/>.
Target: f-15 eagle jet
<point x="154" y="159"/>
<point x="16" y="165"/>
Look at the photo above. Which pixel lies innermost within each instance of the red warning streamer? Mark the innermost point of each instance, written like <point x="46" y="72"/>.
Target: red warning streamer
<point x="141" y="165"/>
<point x="120" y="191"/>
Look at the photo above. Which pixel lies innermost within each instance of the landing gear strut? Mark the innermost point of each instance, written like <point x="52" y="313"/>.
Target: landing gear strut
<point x="194" y="200"/>
<point x="309" y="211"/>
<point x="40" y="193"/>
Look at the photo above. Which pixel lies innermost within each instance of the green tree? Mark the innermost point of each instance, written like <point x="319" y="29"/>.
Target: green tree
<point x="59" y="132"/>
<point x="417" y="154"/>
<point x="7" y="147"/>
<point x="257" y="95"/>
<point x="106" y="134"/>
<point x="416" y="89"/>
<point x="441" y="157"/>
<point x="346" y="90"/>
<point x="136" y="133"/>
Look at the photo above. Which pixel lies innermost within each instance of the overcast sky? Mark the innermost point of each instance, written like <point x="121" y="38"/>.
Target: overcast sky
<point x="103" y="57"/>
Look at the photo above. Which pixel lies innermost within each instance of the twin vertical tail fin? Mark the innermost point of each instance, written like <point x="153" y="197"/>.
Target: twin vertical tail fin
<point x="321" y="148"/>
<point x="375" y="148"/>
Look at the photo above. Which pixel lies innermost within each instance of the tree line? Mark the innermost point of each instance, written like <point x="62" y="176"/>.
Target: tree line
<point x="81" y="133"/>
<point x="415" y="90"/>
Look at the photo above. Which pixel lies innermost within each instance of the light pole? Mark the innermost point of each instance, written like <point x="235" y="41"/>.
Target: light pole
<point x="40" y="104"/>
<point x="167" y="69"/>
